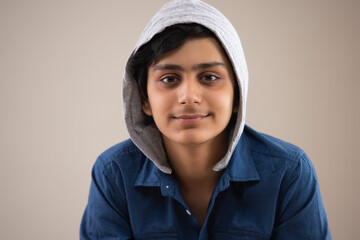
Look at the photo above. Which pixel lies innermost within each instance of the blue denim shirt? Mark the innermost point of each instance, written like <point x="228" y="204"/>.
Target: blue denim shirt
<point x="269" y="190"/>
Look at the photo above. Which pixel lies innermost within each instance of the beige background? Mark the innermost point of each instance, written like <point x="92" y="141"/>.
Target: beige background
<point x="61" y="64"/>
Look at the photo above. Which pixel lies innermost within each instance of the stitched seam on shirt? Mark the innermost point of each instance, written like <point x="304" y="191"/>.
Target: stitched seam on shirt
<point x="308" y="162"/>
<point x="290" y="169"/>
<point x="119" y="194"/>
<point x="237" y="230"/>
<point x="149" y="184"/>
<point x="157" y="234"/>
<point x="273" y="153"/>
<point x="249" y="179"/>
<point x="125" y="150"/>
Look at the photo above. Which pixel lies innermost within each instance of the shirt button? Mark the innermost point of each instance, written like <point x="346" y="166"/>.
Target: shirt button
<point x="188" y="212"/>
<point x="167" y="186"/>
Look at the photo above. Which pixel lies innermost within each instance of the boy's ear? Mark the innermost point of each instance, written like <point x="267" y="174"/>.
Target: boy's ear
<point x="145" y="105"/>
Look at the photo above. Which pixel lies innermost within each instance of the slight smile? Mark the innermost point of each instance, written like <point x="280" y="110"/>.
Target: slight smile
<point x="191" y="118"/>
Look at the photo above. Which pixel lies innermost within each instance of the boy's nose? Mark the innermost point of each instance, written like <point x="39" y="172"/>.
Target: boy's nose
<point x="190" y="92"/>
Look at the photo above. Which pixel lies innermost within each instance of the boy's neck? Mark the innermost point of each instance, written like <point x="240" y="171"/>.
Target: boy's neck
<point x="193" y="165"/>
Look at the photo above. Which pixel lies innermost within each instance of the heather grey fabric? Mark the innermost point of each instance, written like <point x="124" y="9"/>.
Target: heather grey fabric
<point x="146" y="136"/>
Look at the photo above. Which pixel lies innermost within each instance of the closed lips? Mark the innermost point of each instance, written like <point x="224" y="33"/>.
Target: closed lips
<point x="191" y="116"/>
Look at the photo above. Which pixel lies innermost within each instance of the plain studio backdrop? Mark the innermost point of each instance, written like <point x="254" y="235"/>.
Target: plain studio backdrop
<point x="61" y="67"/>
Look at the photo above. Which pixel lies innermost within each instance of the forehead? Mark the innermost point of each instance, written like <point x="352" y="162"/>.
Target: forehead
<point x="195" y="50"/>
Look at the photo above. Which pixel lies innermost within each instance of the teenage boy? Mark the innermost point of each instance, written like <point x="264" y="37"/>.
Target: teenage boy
<point x="192" y="168"/>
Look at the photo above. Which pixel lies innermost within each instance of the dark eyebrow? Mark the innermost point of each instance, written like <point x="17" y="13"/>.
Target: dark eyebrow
<point x="208" y="65"/>
<point x="167" y="67"/>
<point x="196" y="67"/>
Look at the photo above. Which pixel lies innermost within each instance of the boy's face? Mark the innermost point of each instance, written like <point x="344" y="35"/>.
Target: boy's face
<point x="191" y="92"/>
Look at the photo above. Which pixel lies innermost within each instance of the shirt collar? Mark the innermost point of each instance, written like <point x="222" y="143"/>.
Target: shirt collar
<point x="241" y="168"/>
<point x="151" y="176"/>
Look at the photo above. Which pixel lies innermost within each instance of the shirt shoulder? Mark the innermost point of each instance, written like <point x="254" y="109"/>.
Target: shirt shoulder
<point x="287" y="178"/>
<point x="272" y="154"/>
<point x="269" y="145"/>
<point x="124" y="157"/>
<point x="123" y="148"/>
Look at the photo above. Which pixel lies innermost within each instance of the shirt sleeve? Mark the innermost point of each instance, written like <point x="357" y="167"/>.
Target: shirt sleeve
<point x="106" y="215"/>
<point x="301" y="213"/>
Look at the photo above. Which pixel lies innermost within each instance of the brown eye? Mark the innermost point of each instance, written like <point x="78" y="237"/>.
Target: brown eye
<point x="209" y="78"/>
<point x="169" y="79"/>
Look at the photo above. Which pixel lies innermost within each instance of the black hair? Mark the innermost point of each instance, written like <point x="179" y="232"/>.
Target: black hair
<point x="169" y="39"/>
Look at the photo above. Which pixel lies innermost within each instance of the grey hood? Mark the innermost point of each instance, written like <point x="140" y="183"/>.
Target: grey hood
<point x="145" y="135"/>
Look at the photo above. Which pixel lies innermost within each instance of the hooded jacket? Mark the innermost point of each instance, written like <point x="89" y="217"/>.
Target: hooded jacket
<point x="145" y="135"/>
<point x="268" y="189"/>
